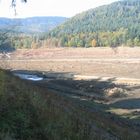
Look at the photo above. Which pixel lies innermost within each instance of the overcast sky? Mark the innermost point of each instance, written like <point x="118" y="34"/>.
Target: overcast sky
<point x="65" y="8"/>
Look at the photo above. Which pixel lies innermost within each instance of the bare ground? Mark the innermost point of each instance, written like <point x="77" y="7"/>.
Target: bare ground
<point x="108" y="76"/>
<point x="117" y="62"/>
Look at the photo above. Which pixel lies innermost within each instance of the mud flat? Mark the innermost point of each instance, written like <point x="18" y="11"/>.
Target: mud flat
<point x="101" y="62"/>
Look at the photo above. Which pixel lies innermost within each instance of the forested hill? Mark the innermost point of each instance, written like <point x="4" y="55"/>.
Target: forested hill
<point x="31" y="25"/>
<point x="110" y="25"/>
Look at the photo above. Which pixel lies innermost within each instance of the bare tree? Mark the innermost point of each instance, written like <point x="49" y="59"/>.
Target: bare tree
<point x="14" y="2"/>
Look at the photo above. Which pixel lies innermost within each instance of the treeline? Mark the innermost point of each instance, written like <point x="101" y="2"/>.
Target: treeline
<point x="20" y="41"/>
<point x="32" y="42"/>
<point x="99" y="39"/>
<point x="122" y="37"/>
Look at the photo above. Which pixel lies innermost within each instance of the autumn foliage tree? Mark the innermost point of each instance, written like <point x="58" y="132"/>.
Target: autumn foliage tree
<point x="94" y="43"/>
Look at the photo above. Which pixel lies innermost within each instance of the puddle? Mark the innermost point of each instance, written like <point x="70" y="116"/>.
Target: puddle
<point x="31" y="77"/>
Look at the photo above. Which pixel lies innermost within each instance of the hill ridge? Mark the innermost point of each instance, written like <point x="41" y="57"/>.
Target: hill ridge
<point x="31" y="24"/>
<point x="94" y="27"/>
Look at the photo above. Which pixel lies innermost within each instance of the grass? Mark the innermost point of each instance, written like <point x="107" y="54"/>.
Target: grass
<point x="29" y="112"/>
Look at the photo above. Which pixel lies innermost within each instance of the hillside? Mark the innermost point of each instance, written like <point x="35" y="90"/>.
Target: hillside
<point x="110" y="25"/>
<point x="30" y="111"/>
<point x="31" y="25"/>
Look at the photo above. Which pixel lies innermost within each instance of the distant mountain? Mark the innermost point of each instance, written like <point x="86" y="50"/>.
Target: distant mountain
<point x="114" y="24"/>
<point x="31" y="25"/>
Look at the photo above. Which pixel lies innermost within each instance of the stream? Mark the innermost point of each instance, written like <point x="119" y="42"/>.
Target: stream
<point x="32" y="77"/>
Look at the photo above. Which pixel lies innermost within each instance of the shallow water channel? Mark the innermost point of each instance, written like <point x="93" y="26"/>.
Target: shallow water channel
<point x="32" y="77"/>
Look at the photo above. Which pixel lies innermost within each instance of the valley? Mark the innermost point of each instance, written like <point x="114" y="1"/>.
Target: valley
<point x="102" y="75"/>
<point x="74" y="78"/>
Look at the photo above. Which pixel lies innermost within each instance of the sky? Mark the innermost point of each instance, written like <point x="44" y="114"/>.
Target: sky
<point x="65" y="8"/>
